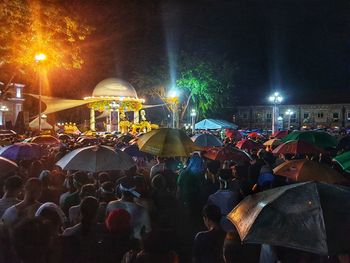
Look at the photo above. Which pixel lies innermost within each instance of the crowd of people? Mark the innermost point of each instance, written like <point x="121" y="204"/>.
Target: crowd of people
<point x="165" y="210"/>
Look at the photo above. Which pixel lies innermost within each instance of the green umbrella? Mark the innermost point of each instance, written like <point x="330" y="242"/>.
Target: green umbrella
<point x="320" y="139"/>
<point x="344" y="161"/>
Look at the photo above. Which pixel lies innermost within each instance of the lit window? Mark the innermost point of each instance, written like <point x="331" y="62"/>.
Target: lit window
<point x="18" y="92"/>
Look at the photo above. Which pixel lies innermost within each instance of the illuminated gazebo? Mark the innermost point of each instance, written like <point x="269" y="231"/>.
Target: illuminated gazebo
<point x="114" y="97"/>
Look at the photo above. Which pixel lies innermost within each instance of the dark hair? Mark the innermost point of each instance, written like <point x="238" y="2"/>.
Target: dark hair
<point x="80" y="178"/>
<point x="213" y="166"/>
<point x="13" y="183"/>
<point x="87" y="190"/>
<point x="88" y="211"/>
<point x="212" y="212"/>
<point x="31" y="239"/>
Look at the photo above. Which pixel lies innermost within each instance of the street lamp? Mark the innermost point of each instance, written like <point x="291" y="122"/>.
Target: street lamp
<point x="193" y="119"/>
<point x="3" y="109"/>
<point x="173" y="100"/>
<point x="39" y="58"/>
<point x="275" y="99"/>
<point x="289" y="113"/>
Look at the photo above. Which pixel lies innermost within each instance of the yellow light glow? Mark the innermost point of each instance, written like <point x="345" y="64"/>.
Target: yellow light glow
<point x="40" y="57"/>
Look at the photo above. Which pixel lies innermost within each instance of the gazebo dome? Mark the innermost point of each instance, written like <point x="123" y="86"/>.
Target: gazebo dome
<point x="113" y="87"/>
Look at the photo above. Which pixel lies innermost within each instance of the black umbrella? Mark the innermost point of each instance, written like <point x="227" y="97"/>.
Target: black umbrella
<point x="313" y="217"/>
<point x="344" y="144"/>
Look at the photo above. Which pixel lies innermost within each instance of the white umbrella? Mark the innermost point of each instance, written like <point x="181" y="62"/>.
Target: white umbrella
<point x="96" y="158"/>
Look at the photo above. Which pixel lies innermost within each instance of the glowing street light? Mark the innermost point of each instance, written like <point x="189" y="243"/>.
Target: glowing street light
<point x="275" y="99"/>
<point x="193" y="119"/>
<point x="173" y="99"/>
<point x="39" y="58"/>
<point x="289" y="113"/>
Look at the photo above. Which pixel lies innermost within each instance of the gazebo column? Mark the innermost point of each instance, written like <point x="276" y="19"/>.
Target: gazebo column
<point x="136" y="117"/>
<point x="92" y="119"/>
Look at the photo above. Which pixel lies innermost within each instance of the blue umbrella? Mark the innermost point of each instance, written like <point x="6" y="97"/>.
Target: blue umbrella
<point x="134" y="151"/>
<point x="21" y="151"/>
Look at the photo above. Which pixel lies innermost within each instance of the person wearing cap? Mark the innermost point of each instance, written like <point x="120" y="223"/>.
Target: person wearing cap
<point x="140" y="218"/>
<point x="13" y="186"/>
<point x="225" y="198"/>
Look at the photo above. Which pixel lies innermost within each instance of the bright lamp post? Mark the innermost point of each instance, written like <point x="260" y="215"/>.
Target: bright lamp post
<point x="193" y="119"/>
<point x="289" y="113"/>
<point x="275" y="99"/>
<point x="39" y="58"/>
<point x="173" y="100"/>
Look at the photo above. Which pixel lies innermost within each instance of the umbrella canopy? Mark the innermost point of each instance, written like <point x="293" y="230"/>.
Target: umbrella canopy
<point x="125" y="138"/>
<point x="64" y="137"/>
<point x="279" y="134"/>
<point x="96" y="158"/>
<point x="318" y="138"/>
<point x="167" y="142"/>
<point x="272" y="142"/>
<point x="7" y="166"/>
<point x="248" y="145"/>
<point x="306" y="170"/>
<point x="214" y="124"/>
<point x="344" y="161"/>
<point x="21" y="151"/>
<point x="344" y="144"/>
<point x="227" y="153"/>
<point x="297" y="147"/>
<point x="134" y="151"/>
<point x="310" y="216"/>
<point x="233" y="134"/>
<point x="45" y="139"/>
<point x="206" y="140"/>
<point x="254" y="135"/>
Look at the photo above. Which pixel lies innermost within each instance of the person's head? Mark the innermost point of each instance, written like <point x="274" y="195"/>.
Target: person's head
<point x="213" y="166"/>
<point x="106" y="192"/>
<point x="224" y="176"/>
<point x="128" y="189"/>
<point x="118" y="222"/>
<point x="53" y="213"/>
<point x="103" y="177"/>
<point x="87" y="190"/>
<point x="45" y="178"/>
<point x="32" y="189"/>
<point x="13" y="186"/>
<point x="80" y="179"/>
<point x="88" y="209"/>
<point x="31" y="240"/>
<point x="211" y="215"/>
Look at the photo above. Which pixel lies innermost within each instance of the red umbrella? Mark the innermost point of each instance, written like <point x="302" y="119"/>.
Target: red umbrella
<point x="233" y="134"/>
<point x="227" y="153"/>
<point x="254" y="135"/>
<point x="279" y="134"/>
<point x="248" y="145"/>
<point x="297" y="147"/>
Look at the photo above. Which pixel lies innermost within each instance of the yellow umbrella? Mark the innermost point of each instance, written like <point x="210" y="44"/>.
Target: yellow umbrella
<point x="306" y="170"/>
<point x="167" y="142"/>
<point x="272" y="142"/>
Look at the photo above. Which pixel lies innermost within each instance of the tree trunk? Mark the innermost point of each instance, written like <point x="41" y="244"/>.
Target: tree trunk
<point x="186" y="106"/>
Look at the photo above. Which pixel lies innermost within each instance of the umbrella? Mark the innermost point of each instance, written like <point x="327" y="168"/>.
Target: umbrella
<point x="344" y="161"/>
<point x="279" y="134"/>
<point x="45" y="139"/>
<point x="21" y="151"/>
<point x="248" y="145"/>
<point x="88" y="140"/>
<point x="96" y="158"/>
<point x="233" y="134"/>
<point x="125" y="138"/>
<point x="318" y="138"/>
<point x="306" y="170"/>
<point x="344" y="144"/>
<point x="309" y="216"/>
<point x="206" y="140"/>
<point x="64" y="137"/>
<point x="254" y="135"/>
<point x="272" y="142"/>
<point x="134" y="151"/>
<point x="167" y="142"/>
<point x="297" y="147"/>
<point x="7" y="165"/>
<point x="227" y="153"/>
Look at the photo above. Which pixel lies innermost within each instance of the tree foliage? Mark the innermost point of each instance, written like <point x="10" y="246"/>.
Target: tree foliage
<point x="31" y="27"/>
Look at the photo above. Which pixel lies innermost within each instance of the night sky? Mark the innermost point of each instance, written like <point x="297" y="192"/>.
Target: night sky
<point x="299" y="47"/>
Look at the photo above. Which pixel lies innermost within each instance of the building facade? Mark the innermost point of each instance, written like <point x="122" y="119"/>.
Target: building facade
<point x="306" y="115"/>
<point x="11" y="106"/>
